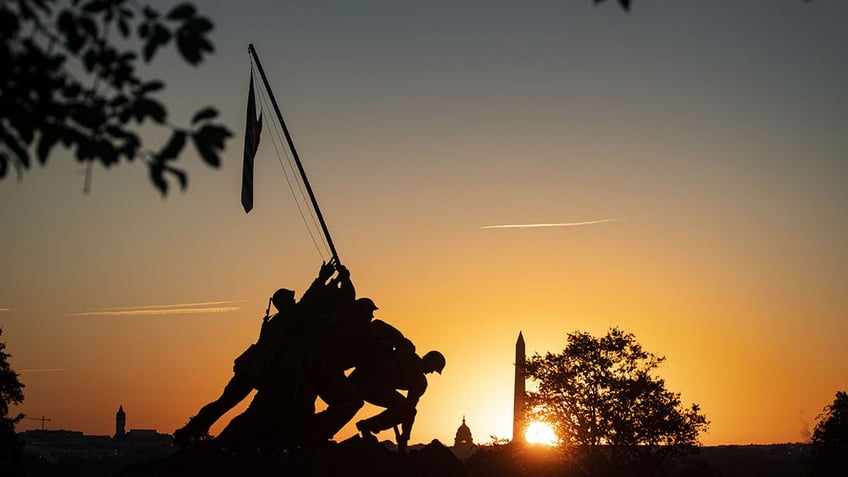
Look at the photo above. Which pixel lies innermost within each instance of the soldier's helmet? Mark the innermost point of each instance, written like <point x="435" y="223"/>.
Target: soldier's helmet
<point x="365" y="304"/>
<point x="433" y="361"/>
<point x="282" y="298"/>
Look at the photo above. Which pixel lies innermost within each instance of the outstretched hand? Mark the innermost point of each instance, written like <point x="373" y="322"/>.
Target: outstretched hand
<point x="327" y="269"/>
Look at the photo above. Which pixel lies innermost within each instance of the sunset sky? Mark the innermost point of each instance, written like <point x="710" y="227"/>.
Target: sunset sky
<point x="689" y="160"/>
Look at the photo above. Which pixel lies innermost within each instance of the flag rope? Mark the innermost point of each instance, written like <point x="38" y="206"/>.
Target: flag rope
<point x="275" y="139"/>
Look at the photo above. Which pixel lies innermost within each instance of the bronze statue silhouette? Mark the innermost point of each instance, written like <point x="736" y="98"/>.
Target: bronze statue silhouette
<point x="303" y="352"/>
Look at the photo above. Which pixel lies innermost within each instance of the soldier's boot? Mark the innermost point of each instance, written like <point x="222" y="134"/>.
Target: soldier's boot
<point x="365" y="430"/>
<point x="190" y="434"/>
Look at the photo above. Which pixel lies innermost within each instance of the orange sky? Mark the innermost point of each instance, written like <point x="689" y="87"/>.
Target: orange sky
<point x="710" y="140"/>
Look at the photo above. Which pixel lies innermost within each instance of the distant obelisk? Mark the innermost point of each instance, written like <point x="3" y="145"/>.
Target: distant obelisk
<point x="518" y="411"/>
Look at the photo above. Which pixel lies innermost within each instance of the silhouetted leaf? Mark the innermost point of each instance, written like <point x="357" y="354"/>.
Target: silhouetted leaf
<point x="151" y="86"/>
<point x="150" y="13"/>
<point x="182" y="178"/>
<point x="124" y="27"/>
<point x="156" y="171"/>
<point x="174" y="146"/>
<point x="208" y="140"/>
<point x="182" y="11"/>
<point x="192" y="44"/>
<point x="160" y="37"/>
<point x="145" y="107"/>
<point x="206" y="113"/>
<point x="95" y="6"/>
<point x="45" y="144"/>
<point x="88" y="25"/>
<point x="213" y="135"/>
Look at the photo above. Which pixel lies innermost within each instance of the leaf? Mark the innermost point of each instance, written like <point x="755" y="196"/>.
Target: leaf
<point x="160" y="37"/>
<point x="150" y="13"/>
<point x="124" y="27"/>
<point x="95" y="6"/>
<point x="145" y="107"/>
<point x="156" y="171"/>
<point x="201" y="25"/>
<point x="45" y="144"/>
<point x="155" y="85"/>
<point x="182" y="11"/>
<point x="88" y="25"/>
<point x="206" y="113"/>
<point x="174" y="146"/>
<point x="208" y="140"/>
<point x="214" y="135"/>
<point x="182" y="178"/>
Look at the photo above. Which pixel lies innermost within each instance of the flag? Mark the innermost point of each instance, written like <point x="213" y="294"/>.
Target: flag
<point x="252" y="130"/>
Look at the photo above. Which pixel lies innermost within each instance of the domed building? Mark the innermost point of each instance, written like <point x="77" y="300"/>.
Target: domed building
<point x="463" y="443"/>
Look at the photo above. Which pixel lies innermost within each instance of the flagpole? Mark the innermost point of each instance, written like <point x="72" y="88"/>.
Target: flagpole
<point x="253" y="53"/>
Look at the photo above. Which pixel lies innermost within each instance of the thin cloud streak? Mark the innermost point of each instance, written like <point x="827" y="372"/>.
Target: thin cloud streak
<point x="533" y="226"/>
<point x="173" y="309"/>
<point x="41" y="370"/>
<point x="159" y="311"/>
<point x="177" y="305"/>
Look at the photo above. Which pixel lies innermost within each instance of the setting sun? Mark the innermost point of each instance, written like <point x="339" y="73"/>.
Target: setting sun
<point x="539" y="432"/>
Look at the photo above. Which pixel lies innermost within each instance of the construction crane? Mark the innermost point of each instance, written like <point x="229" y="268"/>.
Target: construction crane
<point x="42" y="419"/>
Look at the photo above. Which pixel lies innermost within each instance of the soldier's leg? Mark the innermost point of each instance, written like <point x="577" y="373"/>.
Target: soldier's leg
<point x="398" y="409"/>
<point x="234" y="392"/>
<point x="343" y="402"/>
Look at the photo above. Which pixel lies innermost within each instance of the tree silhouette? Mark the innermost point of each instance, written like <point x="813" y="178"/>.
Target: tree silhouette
<point x="11" y="392"/>
<point x="71" y="76"/>
<point x="829" y="455"/>
<point x="601" y="396"/>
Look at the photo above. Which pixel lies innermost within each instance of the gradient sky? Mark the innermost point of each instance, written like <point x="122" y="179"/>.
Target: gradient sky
<point x="703" y="147"/>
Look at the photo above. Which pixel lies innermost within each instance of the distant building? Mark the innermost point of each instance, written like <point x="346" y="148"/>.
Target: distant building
<point x="463" y="443"/>
<point x="54" y="445"/>
<point x="120" y="422"/>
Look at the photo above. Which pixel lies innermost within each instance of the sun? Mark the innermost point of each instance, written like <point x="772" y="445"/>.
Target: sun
<point x="539" y="432"/>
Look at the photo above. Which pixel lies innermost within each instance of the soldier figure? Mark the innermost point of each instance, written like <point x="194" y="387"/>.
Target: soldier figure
<point x="378" y="385"/>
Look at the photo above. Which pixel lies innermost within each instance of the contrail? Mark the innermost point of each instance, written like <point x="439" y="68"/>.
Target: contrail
<point x="4" y="309"/>
<point x="175" y="309"/>
<point x="41" y="370"/>
<point x="532" y="226"/>
<point x="178" y="305"/>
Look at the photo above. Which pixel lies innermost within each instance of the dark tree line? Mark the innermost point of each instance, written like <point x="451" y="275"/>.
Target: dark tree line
<point x="11" y="393"/>
<point x="829" y="454"/>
